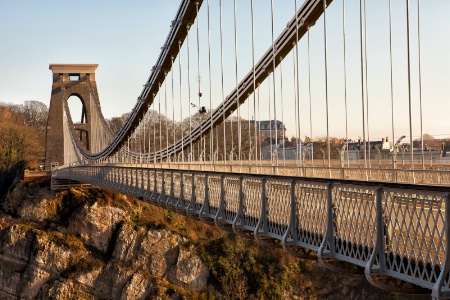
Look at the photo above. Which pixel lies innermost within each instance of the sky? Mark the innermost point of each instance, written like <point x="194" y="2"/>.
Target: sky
<point x="125" y="39"/>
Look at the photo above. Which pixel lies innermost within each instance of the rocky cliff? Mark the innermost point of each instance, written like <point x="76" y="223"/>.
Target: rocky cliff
<point x="93" y="244"/>
<point x="70" y="245"/>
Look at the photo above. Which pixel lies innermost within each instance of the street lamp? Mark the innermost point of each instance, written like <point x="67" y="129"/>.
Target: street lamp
<point x="342" y="152"/>
<point x="323" y="157"/>
<point x="201" y="109"/>
<point x="431" y="157"/>
<point x="357" y="154"/>
<point x="394" y="157"/>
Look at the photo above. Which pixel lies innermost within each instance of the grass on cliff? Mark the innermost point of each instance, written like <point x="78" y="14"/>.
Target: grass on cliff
<point x="244" y="270"/>
<point x="240" y="268"/>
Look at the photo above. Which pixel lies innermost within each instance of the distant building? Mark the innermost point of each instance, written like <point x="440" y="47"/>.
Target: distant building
<point x="378" y="149"/>
<point x="384" y="144"/>
<point x="267" y="130"/>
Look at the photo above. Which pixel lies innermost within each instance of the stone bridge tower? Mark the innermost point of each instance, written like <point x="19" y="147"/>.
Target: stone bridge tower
<point x="75" y="84"/>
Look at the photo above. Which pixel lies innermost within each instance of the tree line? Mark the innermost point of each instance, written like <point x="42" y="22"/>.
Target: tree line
<point x="22" y="139"/>
<point x="22" y="133"/>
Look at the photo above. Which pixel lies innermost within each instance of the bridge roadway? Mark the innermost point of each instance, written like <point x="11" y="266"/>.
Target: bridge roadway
<point x="395" y="233"/>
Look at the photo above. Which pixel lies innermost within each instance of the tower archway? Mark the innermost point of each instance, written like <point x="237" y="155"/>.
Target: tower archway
<point x="77" y="109"/>
<point x="78" y="112"/>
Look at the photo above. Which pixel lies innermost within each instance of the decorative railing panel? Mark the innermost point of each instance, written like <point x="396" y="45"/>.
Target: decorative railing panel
<point x="199" y="194"/>
<point x="232" y="189"/>
<point x="415" y="233"/>
<point x="310" y="213"/>
<point x="277" y="207"/>
<point x="354" y="221"/>
<point x="251" y="203"/>
<point x="214" y="196"/>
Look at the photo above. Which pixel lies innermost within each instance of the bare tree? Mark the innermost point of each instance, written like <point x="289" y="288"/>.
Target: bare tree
<point x="428" y="137"/>
<point x="34" y="114"/>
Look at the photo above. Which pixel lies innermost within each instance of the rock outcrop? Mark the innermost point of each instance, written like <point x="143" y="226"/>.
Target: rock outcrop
<point x="92" y="252"/>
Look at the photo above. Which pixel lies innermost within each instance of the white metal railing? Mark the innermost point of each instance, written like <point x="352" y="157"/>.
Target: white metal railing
<point x="394" y="230"/>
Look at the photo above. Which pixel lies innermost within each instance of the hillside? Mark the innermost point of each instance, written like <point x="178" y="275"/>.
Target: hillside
<point x="94" y="244"/>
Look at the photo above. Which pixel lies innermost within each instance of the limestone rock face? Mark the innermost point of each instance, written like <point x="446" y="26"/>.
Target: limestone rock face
<point x="137" y="287"/>
<point x="30" y="258"/>
<point x="189" y="271"/>
<point x="33" y="204"/>
<point x="96" y="224"/>
<point x="96" y="253"/>
<point x="128" y="240"/>
<point x="160" y="253"/>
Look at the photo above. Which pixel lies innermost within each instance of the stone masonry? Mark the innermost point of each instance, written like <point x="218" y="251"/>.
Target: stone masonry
<point x="74" y="81"/>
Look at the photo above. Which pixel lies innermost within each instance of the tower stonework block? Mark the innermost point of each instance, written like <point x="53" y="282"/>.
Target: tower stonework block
<point x="74" y="77"/>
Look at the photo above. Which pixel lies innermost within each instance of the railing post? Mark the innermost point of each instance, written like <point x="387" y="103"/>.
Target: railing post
<point x="380" y="241"/>
<point x="99" y="175"/>
<point x="106" y="176"/>
<point x="148" y="185"/>
<point x="192" y="200"/>
<point x="134" y="176"/>
<point x="155" y="189"/>
<point x="172" y="192"/>
<point x="142" y="182"/>
<point x="328" y="238"/>
<point x="291" y="231"/>
<point x="137" y="185"/>
<point x="111" y="176"/>
<point x="103" y="175"/>
<point x="129" y="179"/>
<point x="437" y="289"/>
<point x="123" y="179"/>
<point x="131" y="182"/>
<point x="137" y="189"/>
<point x="206" y="201"/>
<point x="240" y="212"/>
<point x="116" y="177"/>
<point x="162" y="195"/>
<point x="220" y="211"/>
<point x="126" y="182"/>
<point x="181" y="198"/>
<point x="263" y="219"/>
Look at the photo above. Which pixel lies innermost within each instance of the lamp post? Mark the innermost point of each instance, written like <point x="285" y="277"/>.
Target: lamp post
<point x="431" y="156"/>
<point x="394" y="157"/>
<point x="342" y="152"/>
<point x="304" y="153"/>
<point x="323" y="157"/>
<point x="201" y="110"/>
<point x="379" y="156"/>
<point x="357" y="154"/>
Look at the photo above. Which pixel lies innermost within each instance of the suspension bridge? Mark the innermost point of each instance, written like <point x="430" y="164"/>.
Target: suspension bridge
<point x="208" y="135"/>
